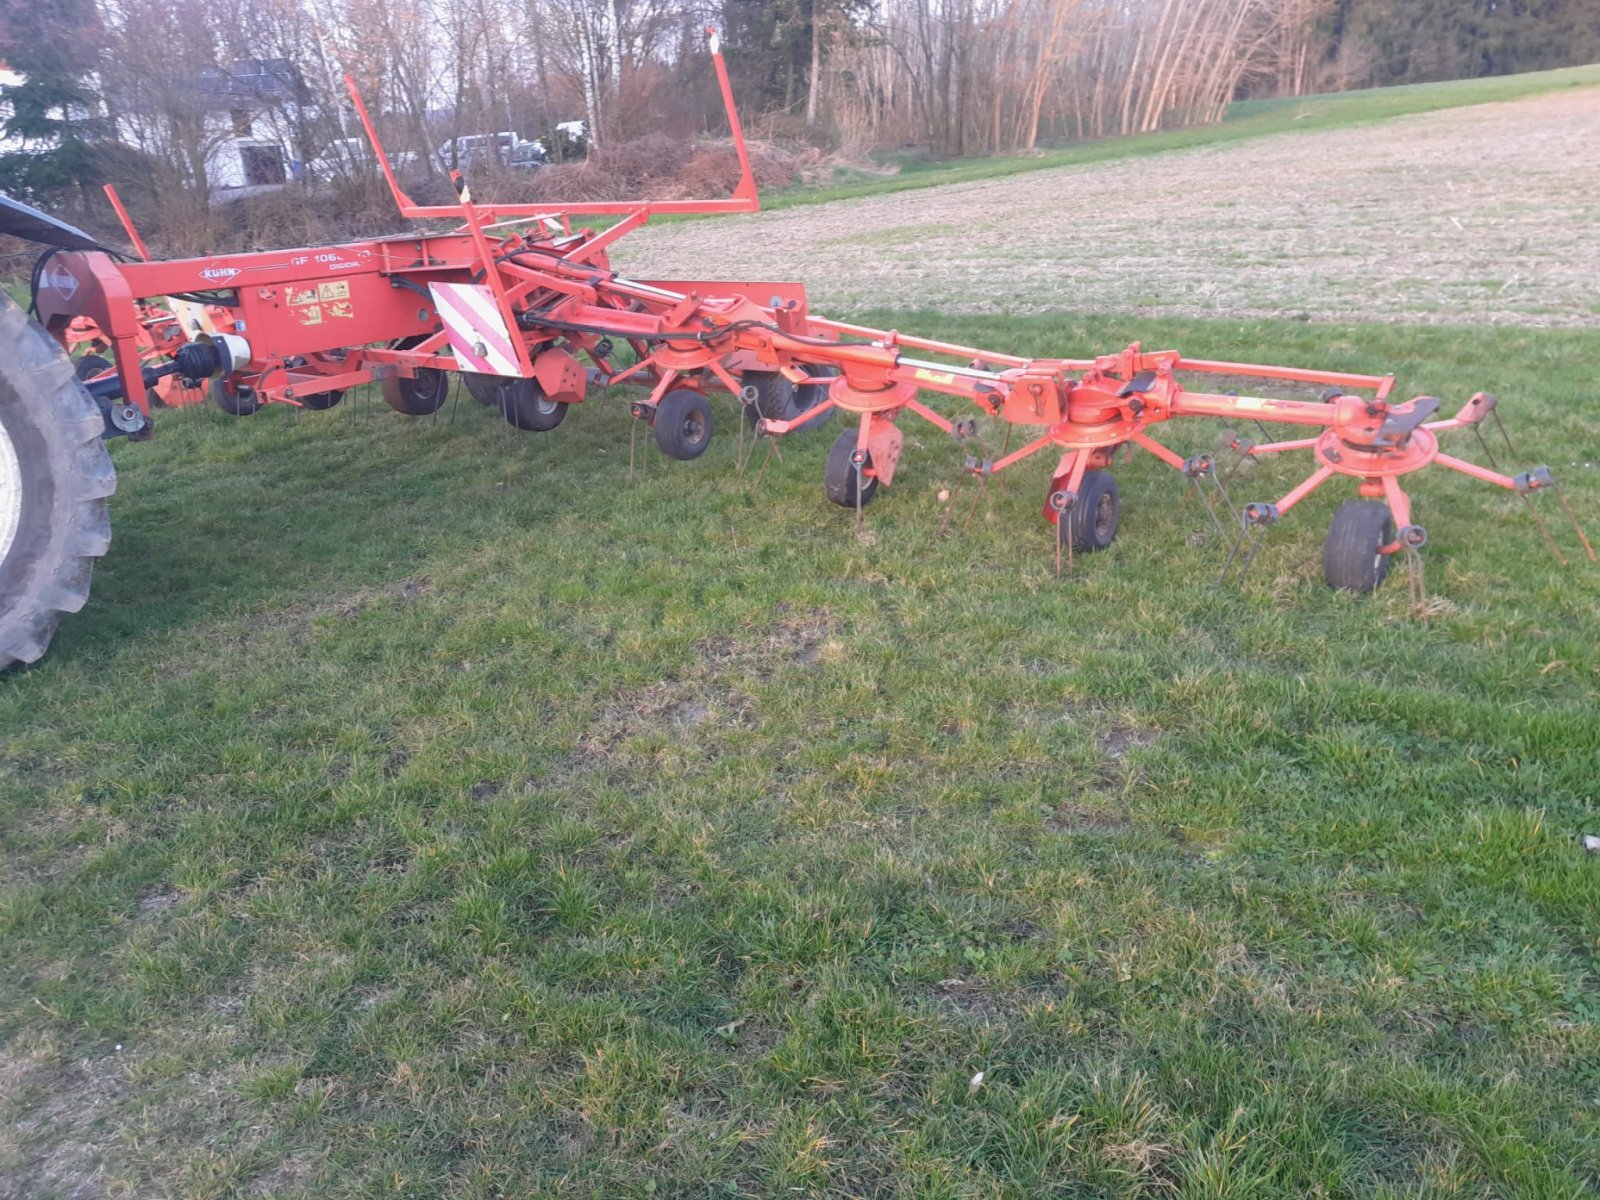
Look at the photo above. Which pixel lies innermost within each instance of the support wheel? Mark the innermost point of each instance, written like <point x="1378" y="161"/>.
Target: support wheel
<point x="91" y="365"/>
<point x="522" y="402"/>
<point x="237" y="400"/>
<point x="55" y="476"/>
<point x="1096" y="514"/>
<point x="418" y="397"/>
<point x="1351" y="560"/>
<point x="321" y="401"/>
<point x="683" y="424"/>
<point x="777" y="399"/>
<point x="840" y="475"/>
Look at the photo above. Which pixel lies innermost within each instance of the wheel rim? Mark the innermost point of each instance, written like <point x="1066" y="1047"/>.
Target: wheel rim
<point x="1105" y="518"/>
<point x="693" y="428"/>
<point x="10" y="493"/>
<point x="544" y="406"/>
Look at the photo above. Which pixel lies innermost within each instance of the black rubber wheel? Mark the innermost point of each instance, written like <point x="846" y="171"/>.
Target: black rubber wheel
<point x="91" y="365"/>
<point x="55" y="476"/>
<point x="521" y="402"/>
<point x="1095" y="516"/>
<point x="236" y="401"/>
<point x="778" y="399"/>
<point x="683" y="424"/>
<point x="321" y="401"/>
<point x="1350" y="558"/>
<point x="419" y="396"/>
<point x="839" y="476"/>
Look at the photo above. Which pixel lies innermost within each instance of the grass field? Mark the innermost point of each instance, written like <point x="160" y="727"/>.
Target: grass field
<point x="1245" y="119"/>
<point x="421" y="809"/>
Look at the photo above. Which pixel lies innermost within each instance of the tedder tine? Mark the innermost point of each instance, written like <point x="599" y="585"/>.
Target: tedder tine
<point x="1549" y="539"/>
<point x="1253" y="524"/>
<point x="1577" y="527"/>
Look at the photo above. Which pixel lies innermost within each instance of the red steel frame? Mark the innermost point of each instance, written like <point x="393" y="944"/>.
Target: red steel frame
<point x="326" y="318"/>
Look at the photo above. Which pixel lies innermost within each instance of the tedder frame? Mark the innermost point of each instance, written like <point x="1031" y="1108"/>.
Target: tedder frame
<point x="526" y="306"/>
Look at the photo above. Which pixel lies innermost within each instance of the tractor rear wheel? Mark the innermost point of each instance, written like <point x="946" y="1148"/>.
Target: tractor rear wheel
<point x="1352" y="560"/>
<point x="55" y="476"/>
<point x="522" y="402"/>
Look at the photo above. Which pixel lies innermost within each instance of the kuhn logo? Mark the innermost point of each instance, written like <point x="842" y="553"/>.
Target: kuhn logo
<point x="215" y="273"/>
<point x="64" y="281"/>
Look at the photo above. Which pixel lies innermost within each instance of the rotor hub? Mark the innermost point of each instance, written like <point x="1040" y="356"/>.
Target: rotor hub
<point x="1363" y="460"/>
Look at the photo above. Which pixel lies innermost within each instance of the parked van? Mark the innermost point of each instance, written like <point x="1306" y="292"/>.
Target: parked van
<point x="477" y="149"/>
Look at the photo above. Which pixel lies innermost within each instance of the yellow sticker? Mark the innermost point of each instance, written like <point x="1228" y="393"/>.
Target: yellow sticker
<point x="334" y="291"/>
<point x="1248" y="403"/>
<point x="939" y="377"/>
<point x="341" y="308"/>
<point x="312" y="315"/>
<point x="298" y="296"/>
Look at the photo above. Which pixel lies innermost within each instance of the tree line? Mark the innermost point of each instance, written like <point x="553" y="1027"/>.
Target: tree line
<point x="108" y="84"/>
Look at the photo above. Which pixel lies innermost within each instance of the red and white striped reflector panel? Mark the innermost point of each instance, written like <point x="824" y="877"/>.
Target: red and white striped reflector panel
<point x="478" y="333"/>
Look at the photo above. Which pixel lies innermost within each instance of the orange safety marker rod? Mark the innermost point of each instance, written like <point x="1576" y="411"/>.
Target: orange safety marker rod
<point x="127" y="222"/>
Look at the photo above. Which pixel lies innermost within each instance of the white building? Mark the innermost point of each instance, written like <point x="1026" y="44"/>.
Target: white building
<point x="257" y="113"/>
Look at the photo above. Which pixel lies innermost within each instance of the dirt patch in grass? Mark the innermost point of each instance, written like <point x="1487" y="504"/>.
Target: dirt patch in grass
<point x="707" y="692"/>
<point x="53" y="1118"/>
<point x="1483" y="215"/>
<point x="1121" y="737"/>
<point x="1071" y="816"/>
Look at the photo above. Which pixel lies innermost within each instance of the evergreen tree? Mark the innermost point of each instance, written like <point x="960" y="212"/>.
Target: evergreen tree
<point x="53" y="111"/>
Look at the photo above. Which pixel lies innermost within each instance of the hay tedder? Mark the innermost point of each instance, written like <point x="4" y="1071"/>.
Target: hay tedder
<point x="526" y="308"/>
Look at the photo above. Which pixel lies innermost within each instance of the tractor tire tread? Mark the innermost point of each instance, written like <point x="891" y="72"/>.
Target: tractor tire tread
<point x="51" y="576"/>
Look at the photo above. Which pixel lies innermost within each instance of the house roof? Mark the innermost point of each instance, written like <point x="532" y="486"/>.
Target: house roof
<point x="249" y="80"/>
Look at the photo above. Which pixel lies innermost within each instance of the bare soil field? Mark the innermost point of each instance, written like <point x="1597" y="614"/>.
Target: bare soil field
<point x="1481" y="215"/>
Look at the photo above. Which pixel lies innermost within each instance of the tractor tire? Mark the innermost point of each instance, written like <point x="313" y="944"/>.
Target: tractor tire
<point x="1095" y="517"/>
<point x="1351" y="561"/>
<point x="521" y="402"/>
<point x="55" y="476"/>
<point x="839" y="475"/>
<point x="683" y="424"/>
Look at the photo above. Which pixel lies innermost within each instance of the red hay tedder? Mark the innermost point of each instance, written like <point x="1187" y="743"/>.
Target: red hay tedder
<point x="527" y="308"/>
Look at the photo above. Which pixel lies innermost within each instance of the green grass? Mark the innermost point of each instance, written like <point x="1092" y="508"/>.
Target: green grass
<point x="419" y="809"/>
<point x="1246" y="119"/>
